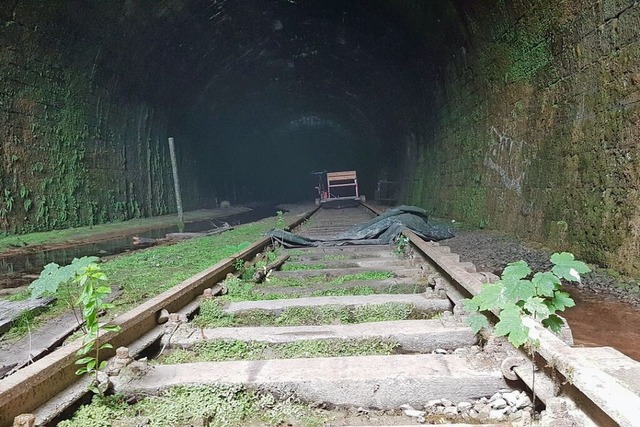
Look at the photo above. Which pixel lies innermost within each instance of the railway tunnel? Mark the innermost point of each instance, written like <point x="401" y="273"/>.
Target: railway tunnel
<point x="514" y="115"/>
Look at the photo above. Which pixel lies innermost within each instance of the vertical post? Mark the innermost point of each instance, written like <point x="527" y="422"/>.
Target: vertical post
<point x="176" y="184"/>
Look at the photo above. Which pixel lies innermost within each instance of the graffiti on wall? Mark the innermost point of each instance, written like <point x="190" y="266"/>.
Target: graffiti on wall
<point x="505" y="158"/>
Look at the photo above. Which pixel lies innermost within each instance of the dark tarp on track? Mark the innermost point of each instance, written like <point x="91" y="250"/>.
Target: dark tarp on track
<point x="381" y="230"/>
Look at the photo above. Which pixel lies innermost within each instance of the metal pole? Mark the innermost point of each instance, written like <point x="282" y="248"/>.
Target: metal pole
<point x="176" y="184"/>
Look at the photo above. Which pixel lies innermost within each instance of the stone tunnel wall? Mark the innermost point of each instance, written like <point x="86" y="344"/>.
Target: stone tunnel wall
<point x="534" y="124"/>
<point x="83" y="139"/>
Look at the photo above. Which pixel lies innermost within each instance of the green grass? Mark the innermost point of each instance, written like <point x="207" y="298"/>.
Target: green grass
<point x="367" y="275"/>
<point x="334" y="257"/>
<point x="297" y="267"/>
<point x="306" y="281"/>
<point x="213" y="406"/>
<point x="149" y="272"/>
<point x="211" y="315"/>
<point x="79" y="233"/>
<point x="358" y="290"/>
<point x="221" y="350"/>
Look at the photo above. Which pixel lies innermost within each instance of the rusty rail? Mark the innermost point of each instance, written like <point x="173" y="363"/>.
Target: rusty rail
<point x="37" y="383"/>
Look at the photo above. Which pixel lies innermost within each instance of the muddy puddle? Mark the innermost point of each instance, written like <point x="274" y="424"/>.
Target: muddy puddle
<point x="13" y="268"/>
<point x="597" y="321"/>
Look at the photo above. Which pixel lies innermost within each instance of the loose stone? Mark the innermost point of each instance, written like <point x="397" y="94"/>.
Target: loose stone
<point x="499" y="403"/>
<point x="464" y="406"/>
<point x="432" y="404"/>
<point x="450" y="410"/>
<point x="496" y="414"/>
<point x="523" y="401"/>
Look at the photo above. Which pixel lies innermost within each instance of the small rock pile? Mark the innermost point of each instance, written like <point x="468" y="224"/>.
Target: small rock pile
<point x="505" y="405"/>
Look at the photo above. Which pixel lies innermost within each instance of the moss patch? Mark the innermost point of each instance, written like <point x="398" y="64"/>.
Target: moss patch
<point x="220" y="350"/>
<point x="211" y="315"/>
<point x="214" y="406"/>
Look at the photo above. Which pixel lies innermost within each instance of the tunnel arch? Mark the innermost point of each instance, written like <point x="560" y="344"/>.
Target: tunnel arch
<point x="451" y="98"/>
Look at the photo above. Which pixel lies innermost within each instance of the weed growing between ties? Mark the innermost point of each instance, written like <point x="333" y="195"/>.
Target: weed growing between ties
<point x="402" y="246"/>
<point x="149" y="272"/>
<point x="307" y="281"/>
<point x="298" y="267"/>
<point x="358" y="290"/>
<point x="336" y="257"/>
<point x="213" y="406"/>
<point x="211" y="315"/>
<point x="221" y="350"/>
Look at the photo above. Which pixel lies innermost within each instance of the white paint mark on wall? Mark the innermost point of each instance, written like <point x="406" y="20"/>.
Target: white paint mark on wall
<point x="506" y="159"/>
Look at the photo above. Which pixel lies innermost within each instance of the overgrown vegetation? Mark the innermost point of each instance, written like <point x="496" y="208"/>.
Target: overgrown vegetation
<point x="307" y="281"/>
<point x="402" y="245"/>
<point x="147" y="273"/>
<point x="213" y="406"/>
<point x="79" y="233"/>
<point x="523" y="300"/>
<point x="220" y="350"/>
<point x="211" y="315"/>
<point x="297" y="267"/>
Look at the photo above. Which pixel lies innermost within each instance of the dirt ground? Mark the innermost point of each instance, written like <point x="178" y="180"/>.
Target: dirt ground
<point x="607" y="311"/>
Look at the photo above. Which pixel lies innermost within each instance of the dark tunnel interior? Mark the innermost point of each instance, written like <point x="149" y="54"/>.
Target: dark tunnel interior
<point x="514" y="115"/>
<point x="268" y="92"/>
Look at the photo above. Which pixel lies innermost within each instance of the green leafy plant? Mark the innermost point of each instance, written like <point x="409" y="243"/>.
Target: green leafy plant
<point x="238" y="264"/>
<point x="522" y="299"/>
<point x="280" y="220"/>
<point x="402" y="245"/>
<point x="93" y="302"/>
<point x="59" y="281"/>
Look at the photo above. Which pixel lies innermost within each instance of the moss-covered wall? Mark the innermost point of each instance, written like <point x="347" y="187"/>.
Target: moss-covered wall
<point x="533" y="125"/>
<point x="84" y="140"/>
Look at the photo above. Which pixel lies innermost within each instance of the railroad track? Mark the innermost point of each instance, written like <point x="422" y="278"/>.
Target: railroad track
<point x="389" y="341"/>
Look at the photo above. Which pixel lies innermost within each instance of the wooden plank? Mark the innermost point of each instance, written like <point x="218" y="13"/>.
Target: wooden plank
<point x="12" y="310"/>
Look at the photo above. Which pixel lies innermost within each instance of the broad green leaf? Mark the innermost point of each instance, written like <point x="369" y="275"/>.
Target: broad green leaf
<point x="519" y="290"/>
<point x="103" y="364"/>
<point x="519" y="335"/>
<point x="81" y="371"/>
<point x="545" y="283"/>
<point x="477" y="321"/>
<point x="490" y="297"/>
<point x="516" y="271"/>
<point x="91" y="364"/>
<point x="562" y="300"/>
<point x="553" y="322"/>
<point x="510" y="319"/>
<point x="510" y="324"/>
<point x="537" y="308"/>
<point x="566" y="267"/>
<point x="51" y="277"/>
<point x="105" y="346"/>
<point x="470" y="305"/>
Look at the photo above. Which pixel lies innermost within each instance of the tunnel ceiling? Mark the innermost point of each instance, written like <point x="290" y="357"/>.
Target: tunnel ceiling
<point x="257" y="87"/>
